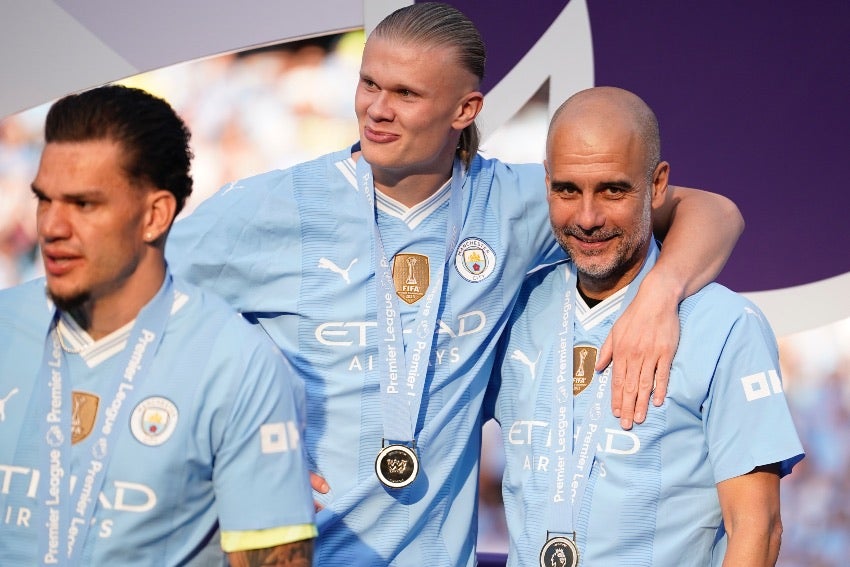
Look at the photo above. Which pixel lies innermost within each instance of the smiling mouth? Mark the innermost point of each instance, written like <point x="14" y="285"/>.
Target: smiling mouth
<point x="595" y="241"/>
<point x="591" y="240"/>
<point x="597" y="236"/>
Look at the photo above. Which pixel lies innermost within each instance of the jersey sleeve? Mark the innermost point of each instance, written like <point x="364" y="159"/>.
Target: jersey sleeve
<point x="243" y="243"/>
<point x="746" y="416"/>
<point x="524" y="190"/>
<point x="260" y="474"/>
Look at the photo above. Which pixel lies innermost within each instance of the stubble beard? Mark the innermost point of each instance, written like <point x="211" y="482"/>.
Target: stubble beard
<point x="594" y="266"/>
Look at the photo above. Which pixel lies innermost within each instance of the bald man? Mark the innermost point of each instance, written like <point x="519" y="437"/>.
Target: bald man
<point x="698" y="482"/>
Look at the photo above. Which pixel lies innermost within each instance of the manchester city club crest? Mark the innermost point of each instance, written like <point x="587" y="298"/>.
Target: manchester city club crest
<point x="474" y="259"/>
<point x="411" y="276"/>
<point x="153" y="421"/>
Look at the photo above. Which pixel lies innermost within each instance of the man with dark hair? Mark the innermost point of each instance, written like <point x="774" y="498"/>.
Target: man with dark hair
<point x="388" y="269"/>
<point x="144" y="423"/>
<point x="155" y="141"/>
<point x="703" y="469"/>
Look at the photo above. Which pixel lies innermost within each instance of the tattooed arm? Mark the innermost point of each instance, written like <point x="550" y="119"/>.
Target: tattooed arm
<point x="295" y="554"/>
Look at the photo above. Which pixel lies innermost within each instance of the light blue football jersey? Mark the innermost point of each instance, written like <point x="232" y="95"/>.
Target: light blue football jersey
<point x="651" y="498"/>
<point x="211" y="445"/>
<point x="293" y="251"/>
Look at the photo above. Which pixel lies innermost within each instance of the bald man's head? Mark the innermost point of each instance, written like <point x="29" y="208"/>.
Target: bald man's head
<point x="604" y="176"/>
<point x="609" y="109"/>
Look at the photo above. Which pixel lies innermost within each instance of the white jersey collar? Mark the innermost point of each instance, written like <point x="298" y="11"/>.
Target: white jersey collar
<point x="590" y="317"/>
<point x="93" y="352"/>
<point x="411" y="216"/>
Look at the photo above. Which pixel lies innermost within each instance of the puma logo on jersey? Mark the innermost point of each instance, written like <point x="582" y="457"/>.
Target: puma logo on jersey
<point x="329" y="265"/>
<point x="753" y="312"/>
<point x="233" y="185"/>
<point x="3" y="403"/>
<point x="532" y="366"/>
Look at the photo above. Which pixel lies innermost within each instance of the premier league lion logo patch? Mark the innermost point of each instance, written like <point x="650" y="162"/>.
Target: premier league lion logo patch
<point x="474" y="260"/>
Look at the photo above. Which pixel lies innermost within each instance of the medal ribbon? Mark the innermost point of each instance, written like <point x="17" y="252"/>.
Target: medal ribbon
<point x="402" y="371"/>
<point x="52" y="403"/>
<point x="570" y="465"/>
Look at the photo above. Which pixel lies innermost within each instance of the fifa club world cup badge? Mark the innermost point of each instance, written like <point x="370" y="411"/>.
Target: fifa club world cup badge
<point x="584" y="363"/>
<point x="411" y="275"/>
<point x="83" y="415"/>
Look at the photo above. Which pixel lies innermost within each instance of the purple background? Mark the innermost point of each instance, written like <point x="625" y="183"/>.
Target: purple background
<point x="752" y="98"/>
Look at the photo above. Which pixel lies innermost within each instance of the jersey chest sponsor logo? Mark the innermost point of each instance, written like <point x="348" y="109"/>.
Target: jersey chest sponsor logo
<point x="116" y="496"/>
<point x="411" y="276"/>
<point x="354" y="333"/>
<point x="5" y="400"/>
<point x="354" y="337"/>
<point x="612" y="441"/>
<point x="153" y="421"/>
<point x="474" y="260"/>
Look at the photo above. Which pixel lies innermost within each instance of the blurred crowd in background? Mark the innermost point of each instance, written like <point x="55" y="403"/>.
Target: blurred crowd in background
<point x="276" y="106"/>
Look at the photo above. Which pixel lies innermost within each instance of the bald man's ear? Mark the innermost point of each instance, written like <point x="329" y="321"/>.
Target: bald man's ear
<point x="659" y="183"/>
